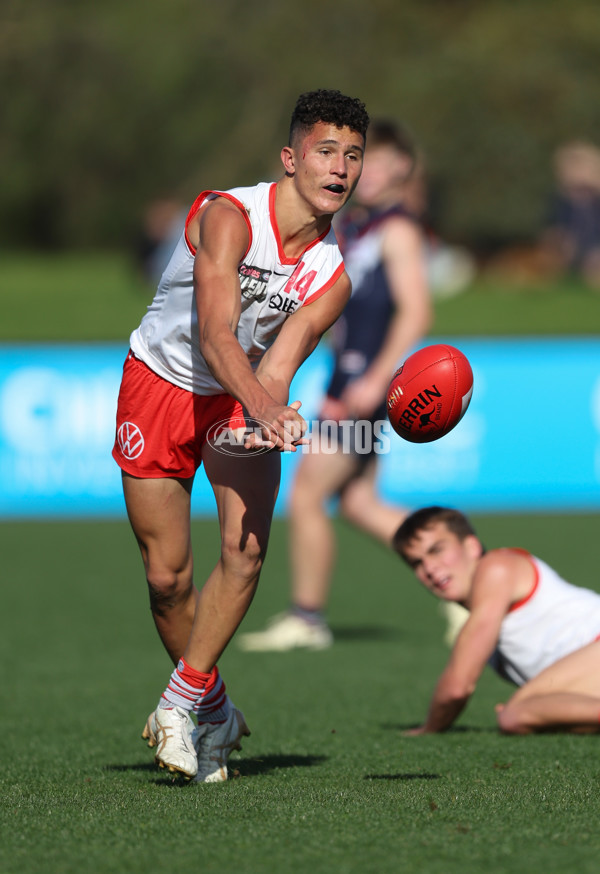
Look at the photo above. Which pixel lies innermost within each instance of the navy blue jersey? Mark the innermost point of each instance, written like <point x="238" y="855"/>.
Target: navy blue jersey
<point x="359" y="332"/>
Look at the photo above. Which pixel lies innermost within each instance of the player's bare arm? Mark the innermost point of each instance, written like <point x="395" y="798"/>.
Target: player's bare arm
<point x="223" y="240"/>
<point x="298" y="337"/>
<point x="497" y="584"/>
<point x="404" y="265"/>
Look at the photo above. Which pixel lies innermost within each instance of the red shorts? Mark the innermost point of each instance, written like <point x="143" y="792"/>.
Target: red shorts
<point x="161" y="428"/>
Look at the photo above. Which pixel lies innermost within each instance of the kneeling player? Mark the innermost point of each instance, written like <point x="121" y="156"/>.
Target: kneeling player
<point x="533" y="627"/>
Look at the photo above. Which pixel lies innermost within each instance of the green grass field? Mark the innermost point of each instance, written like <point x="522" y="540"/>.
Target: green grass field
<point x="99" y="296"/>
<point x="327" y="783"/>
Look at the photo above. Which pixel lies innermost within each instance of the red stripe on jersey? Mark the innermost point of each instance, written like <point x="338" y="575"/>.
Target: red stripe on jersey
<point x="536" y="580"/>
<point x="283" y="258"/>
<point x="320" y="291"/>
<point x="199" y="202"/>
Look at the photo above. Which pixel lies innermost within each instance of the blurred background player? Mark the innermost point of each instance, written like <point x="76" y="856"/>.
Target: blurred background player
<point x="534" y="628"/>
<point x="389" y="312"/>
<point x="163" y="223"/>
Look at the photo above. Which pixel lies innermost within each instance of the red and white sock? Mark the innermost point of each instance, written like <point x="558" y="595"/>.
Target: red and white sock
<point x="214" y="705"/>
<point x="202" y="693"/>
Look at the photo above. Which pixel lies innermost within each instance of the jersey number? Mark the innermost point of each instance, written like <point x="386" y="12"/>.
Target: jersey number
<point x="300" y="284"/>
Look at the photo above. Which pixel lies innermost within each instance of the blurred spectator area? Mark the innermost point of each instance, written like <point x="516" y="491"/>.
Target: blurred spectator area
<point x="568" y="245"/>
<point x="163" y="221"/>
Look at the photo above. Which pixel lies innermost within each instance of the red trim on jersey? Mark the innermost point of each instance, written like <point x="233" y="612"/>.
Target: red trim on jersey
<point x="536" y="580"/>
<point x="320" y="291"/>
<point x="193" y="210"/>
<point x="200" y="202"/>
<point x="283" y="258"/>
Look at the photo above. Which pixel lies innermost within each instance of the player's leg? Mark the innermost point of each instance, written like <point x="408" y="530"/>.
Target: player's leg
<point x="159" y="513"/>
<point x="319" y="476"/>
<point x="245" y="489"/>
<point x="168" y="434"/>
<point x="565" y="696"/>
<point x="361" y="504"/>
<point x="155" y="435"/>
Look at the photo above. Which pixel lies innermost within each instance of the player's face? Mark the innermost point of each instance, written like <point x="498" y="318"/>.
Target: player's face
<point x="442" y="562"/>
<point x="384" y="170"/>
<point x="326" y="164"/>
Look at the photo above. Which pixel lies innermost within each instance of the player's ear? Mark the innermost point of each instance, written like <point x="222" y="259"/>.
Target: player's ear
<point x="402" y="166"/>
<point x="287" y="158"/>
<point x="473" y="546"/>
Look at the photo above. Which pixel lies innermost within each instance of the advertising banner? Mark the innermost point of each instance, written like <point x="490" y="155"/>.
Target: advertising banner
<point x="530" y="441"/>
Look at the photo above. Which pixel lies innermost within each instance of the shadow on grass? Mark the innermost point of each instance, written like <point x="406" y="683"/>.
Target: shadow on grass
<point x="137" y="766"/>
<point x="160" y="777"/>
<point x="366" y="632"/>
<point x="455" y="729"/>
<point x="420" y="776"/>
<point x="249" y="767"/>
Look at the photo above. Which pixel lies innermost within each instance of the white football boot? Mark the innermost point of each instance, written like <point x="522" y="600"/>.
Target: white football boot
<point x="287" y="631"/>
<point x="170" y="731"/>
<point x="149" y="732"/>
<point x="455" y="615"/>
<point x="214" y="742"/>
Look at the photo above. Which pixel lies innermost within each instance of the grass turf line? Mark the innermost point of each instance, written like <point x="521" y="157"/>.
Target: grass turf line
<point x="327" y="782"/>
<point x="95" y="296"/>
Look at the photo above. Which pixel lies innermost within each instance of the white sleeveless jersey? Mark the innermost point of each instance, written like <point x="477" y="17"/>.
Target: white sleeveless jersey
<point x="555" y="619"/>
<point x="272" y="287"/>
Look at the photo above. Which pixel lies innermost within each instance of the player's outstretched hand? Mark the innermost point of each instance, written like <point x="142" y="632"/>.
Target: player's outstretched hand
<point x="282" y="427"/>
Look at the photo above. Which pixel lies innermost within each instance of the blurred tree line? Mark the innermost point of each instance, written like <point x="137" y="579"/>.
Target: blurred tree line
<point x="107" y="106"/>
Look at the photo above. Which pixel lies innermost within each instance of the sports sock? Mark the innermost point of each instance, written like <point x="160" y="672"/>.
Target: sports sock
<point x="313" y="617"/>
<point x="214" y="705"/>
<point x="202" y="693"/>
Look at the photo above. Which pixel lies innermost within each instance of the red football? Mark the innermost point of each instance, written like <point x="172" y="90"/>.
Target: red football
<point x="430" y="393"/>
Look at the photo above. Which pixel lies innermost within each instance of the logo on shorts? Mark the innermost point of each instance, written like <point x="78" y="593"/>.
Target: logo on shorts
<point x="130" y="440"/>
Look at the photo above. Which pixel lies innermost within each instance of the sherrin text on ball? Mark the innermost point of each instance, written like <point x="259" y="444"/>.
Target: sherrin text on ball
<point x="429" y="394"/>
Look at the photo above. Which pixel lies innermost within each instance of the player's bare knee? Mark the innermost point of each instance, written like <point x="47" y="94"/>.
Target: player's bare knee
<point x="303" y="499"/>
<point x="243" y="557"/>
<point x="349" y="508"/>
<point x="512" y="720"/>
<point x="355" y="503"/>
<point x="167" y="591"/>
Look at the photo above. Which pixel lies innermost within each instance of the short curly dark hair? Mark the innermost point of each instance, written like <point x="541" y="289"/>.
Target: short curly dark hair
<point x="332" y="107"/>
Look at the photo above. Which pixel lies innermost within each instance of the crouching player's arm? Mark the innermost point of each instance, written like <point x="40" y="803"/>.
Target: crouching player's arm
<point x="491" y="596"/>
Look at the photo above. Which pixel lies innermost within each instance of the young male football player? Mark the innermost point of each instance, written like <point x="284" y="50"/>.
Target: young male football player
<point x="533" y="627"/>
<point x="253" y="283"/>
